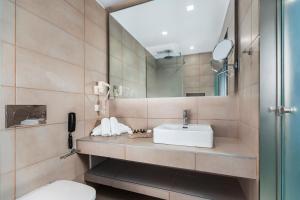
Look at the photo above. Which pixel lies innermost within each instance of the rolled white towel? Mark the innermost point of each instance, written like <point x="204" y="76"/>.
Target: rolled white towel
<point x="110" y="127"/>
<point x="114" y="126"/>
<point x="30" y="122"/>
<point x="97" y="131"/>
<point x="124" y="129"/>
<point x="105" y="127"/>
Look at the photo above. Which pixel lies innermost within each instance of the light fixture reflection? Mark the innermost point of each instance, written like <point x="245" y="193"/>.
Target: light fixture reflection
<point x="190" y="8"/>
<point x="164" y="33"/>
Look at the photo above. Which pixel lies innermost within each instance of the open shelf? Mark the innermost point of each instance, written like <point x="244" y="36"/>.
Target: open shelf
<point x="164" y="182"/>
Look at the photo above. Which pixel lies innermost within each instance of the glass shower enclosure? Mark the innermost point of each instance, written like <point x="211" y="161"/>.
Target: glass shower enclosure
<point x="290" y="119"/>
<point x="280" y="100"/>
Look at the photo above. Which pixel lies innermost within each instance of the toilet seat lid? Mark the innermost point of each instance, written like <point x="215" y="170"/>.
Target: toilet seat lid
<point x="62" y="190"/>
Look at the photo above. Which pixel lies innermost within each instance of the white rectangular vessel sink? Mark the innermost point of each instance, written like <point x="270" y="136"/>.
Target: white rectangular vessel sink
<point x="195" y="135"/>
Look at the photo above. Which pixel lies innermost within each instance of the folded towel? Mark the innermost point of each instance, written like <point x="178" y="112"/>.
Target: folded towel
<point x="110" y="127"/>
<point x="30" y="122"/>
<point x="105" y="127"/>
<point x="114" y="126"/>
<point x="124" y="129"/>
<point x="97" y="130"/>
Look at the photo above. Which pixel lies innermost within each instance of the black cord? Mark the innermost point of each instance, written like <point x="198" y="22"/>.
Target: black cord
<point x="70" y="141"/>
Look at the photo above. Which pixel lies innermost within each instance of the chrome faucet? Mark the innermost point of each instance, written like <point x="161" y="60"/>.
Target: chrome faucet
<point x="185" y="118"/>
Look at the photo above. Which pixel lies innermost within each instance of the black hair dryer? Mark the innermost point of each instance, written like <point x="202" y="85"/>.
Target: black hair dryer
<point x="71" y="128"/>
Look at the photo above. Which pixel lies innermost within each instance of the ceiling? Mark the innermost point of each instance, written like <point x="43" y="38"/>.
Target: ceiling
<point x="197" y="31"/>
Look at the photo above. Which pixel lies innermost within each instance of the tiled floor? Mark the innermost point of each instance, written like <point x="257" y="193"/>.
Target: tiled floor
<point x="108" y="193"/>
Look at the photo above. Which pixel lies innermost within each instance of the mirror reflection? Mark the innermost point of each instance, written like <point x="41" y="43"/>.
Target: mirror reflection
<point x="172" y="48"/>
<point x="222" y="50"/>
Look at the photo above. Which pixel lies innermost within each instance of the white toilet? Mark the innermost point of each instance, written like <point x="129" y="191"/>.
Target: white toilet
<point x="62" y="190"/>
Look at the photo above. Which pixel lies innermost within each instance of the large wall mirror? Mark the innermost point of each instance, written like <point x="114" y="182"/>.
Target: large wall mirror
<point x="164" y="48"/>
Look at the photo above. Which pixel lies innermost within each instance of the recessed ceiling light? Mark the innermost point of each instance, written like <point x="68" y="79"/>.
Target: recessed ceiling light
<point x="192" y="47"/>
<point x="164" y="33"/>
<point x="190" y="8"/>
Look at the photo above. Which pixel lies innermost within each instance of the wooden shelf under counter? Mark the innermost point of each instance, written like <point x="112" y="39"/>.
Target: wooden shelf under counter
<point x="228" y="157"/>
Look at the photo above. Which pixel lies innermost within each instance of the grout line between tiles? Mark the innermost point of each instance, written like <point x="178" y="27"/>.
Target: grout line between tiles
<point x="44" y="160"/>
<point x="74" y="7"/>
<point x="124" y="46"/>
<point x="49" y="90"/>
<point x="8" y="43"/>
<point x="249" y="86"/>
<point x="248" y="125"/>
<point x="49" y="56"/>
<point x="99" y="49"/>
<point x="15" y="91"/>
<point x="92" y="21"/>
<point x="92" y="70"/>
<point x="101" y="28"/>
<point x="49" y="22"/>
<point x="84" y="67"/>
<point x="7" y="86"/>
<point x="8" y="172"/>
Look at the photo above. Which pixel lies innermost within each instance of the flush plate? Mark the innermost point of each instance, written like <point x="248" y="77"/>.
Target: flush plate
<point x="15" y="115"/>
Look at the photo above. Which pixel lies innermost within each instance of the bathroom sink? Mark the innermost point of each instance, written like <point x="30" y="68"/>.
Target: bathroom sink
<point x="195" y="135"/>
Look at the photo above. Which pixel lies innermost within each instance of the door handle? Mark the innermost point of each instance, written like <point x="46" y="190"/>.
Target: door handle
<point x="273" y="109"/>
<point x="280" y="110"/>
<point x="285" y="110"/>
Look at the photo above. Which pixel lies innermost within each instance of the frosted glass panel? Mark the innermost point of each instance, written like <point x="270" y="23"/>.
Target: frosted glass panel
<point x="291" y="140"/>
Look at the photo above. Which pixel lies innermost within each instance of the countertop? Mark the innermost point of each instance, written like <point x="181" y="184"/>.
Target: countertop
<point x="228" y="157"/>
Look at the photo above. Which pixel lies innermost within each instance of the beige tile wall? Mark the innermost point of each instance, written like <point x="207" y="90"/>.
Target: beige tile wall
<point x="127" y="62"/>
<point x="197" y="74"/>
<point x="248" y="125"/>
<point x="7" y="96"/>
<point x="52" y="53"/>
<point x="221" y="112"/>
